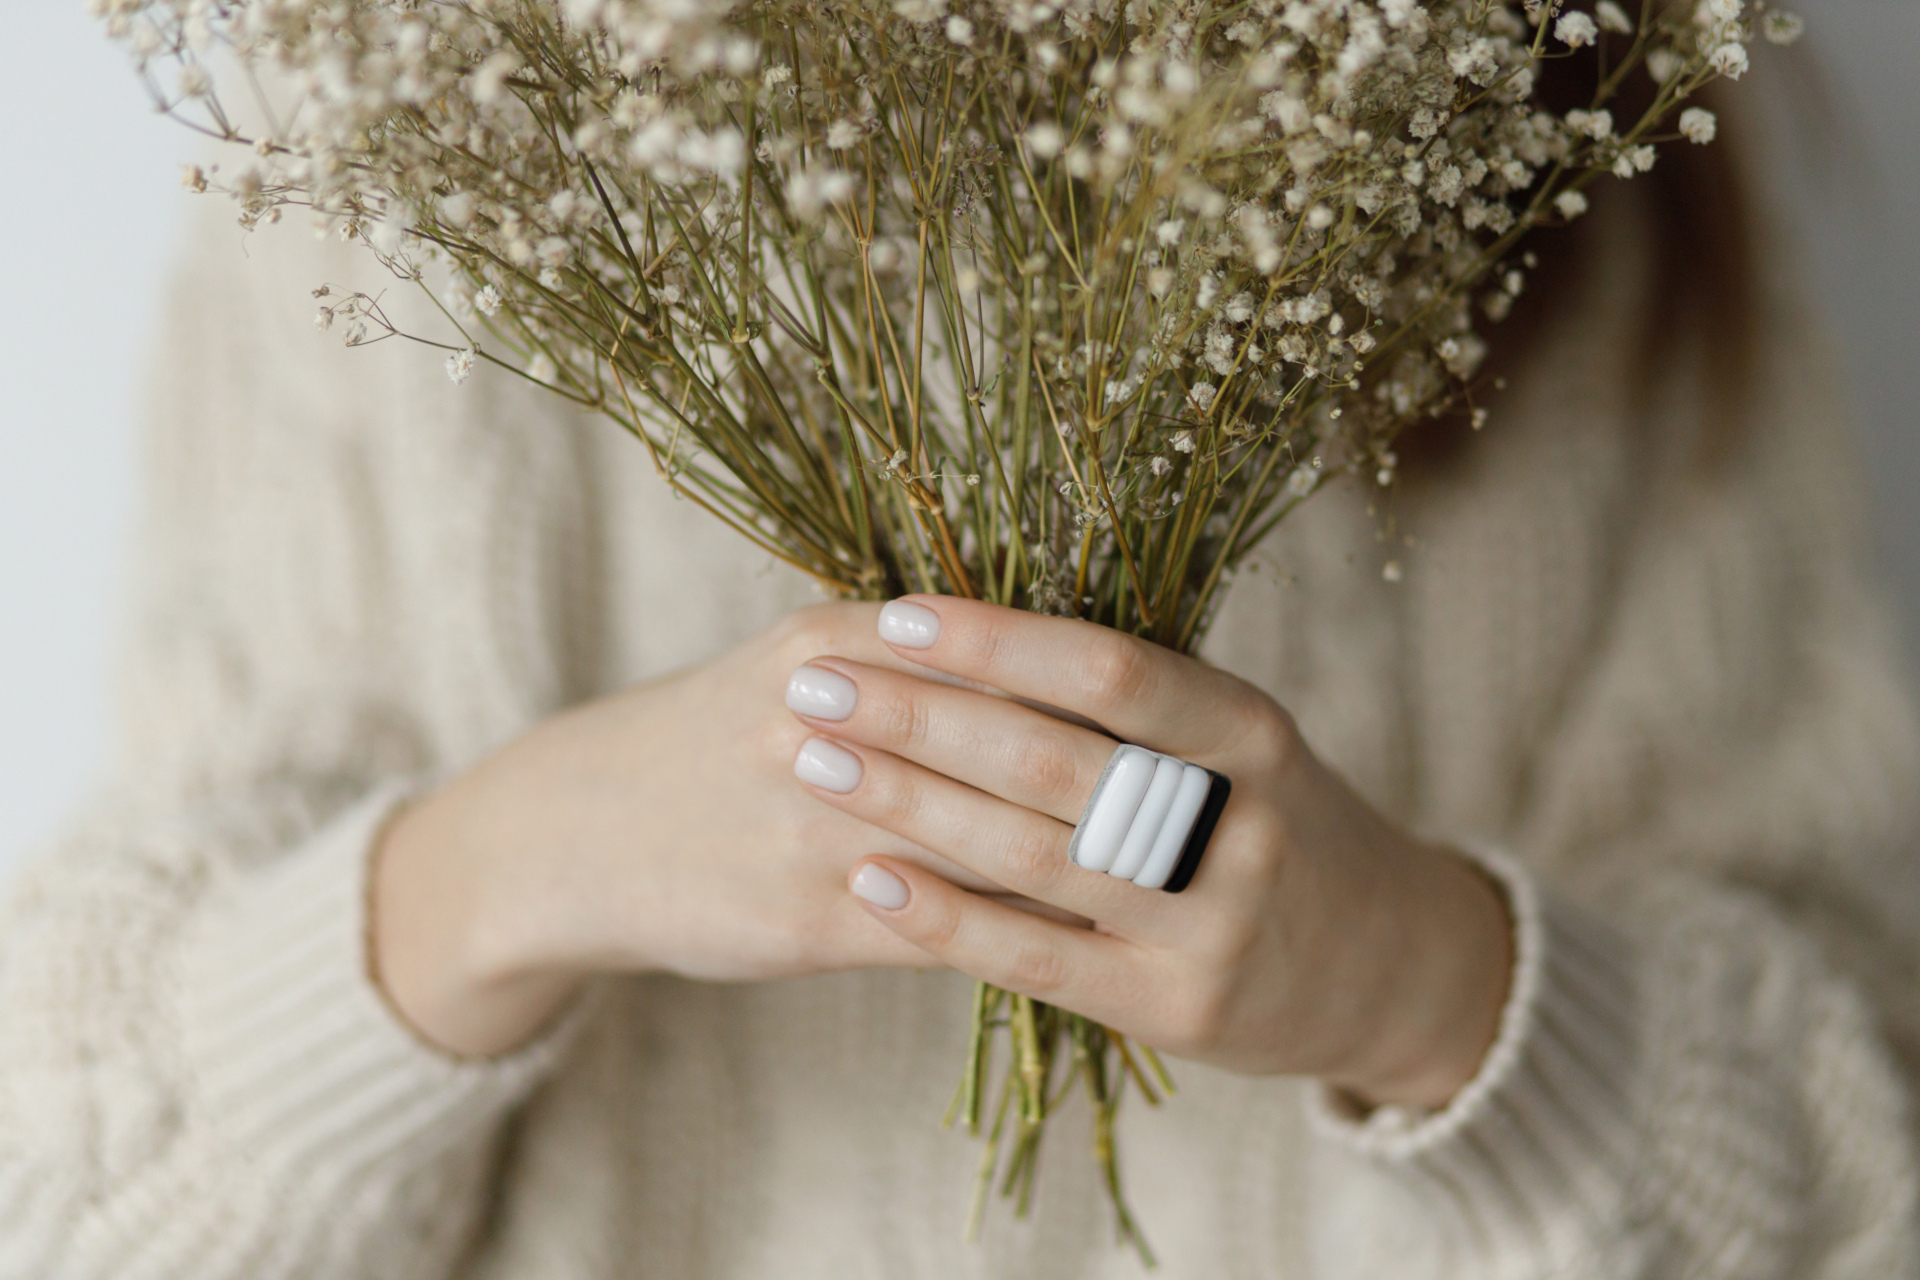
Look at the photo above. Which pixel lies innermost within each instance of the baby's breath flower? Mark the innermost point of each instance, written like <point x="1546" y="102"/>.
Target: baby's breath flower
<point x="959" y="30"/>
<point x="812" y="190"/>
<point x="487" y="301"/>
<point x="722" y="151"/>
<point x="1729" y="59"/>
<point x="1613" y="18"/>
<point x="1633" y="160"/>
<point x="1782" y="28"/>
<point x="1183" y="442"/>
<point x="1575" y="29"/>
<point x="542" y="369"/>
<point x="1594" y="124"/>
<point x="1697" y="124"/>
<point x="456" y="210"/>
<point x="1045" y="140"/>
<point x="460" y="366"/>
<point x="842" y="134"/>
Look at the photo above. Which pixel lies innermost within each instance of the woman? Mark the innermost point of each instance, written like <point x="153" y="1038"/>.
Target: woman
<point x="460" y="913"/>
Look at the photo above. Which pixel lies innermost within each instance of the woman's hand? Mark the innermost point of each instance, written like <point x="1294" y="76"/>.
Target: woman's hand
<point x="1316" y="939"/>
<point x="656" y="829"/>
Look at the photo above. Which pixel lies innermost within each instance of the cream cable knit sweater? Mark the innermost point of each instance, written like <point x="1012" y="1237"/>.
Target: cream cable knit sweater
<point x="1675" y="703"/>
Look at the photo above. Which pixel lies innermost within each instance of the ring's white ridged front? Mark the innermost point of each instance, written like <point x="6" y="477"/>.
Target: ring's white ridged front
<point x="1116" y="798"/>
<point x="1148" y="819"/>
<point x="1195" y="783"/>
<point x="1140" y="816"/>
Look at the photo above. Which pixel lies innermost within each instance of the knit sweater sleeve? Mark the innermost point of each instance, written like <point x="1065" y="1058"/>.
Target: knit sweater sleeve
<point x="1705" y="1065"/>
<point x="196" y="1075"/>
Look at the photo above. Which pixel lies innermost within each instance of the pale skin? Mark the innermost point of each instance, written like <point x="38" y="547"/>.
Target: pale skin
<point x="662" y="829"/>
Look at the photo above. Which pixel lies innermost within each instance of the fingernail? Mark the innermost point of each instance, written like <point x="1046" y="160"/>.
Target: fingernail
<point x="827" y="765"/>
<point x="816" y="691"/>
<point x="880" y="887"/>
<point x="909" y="625"/>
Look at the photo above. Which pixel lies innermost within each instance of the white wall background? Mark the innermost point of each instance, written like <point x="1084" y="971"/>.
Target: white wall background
<point x="89" y="203"/>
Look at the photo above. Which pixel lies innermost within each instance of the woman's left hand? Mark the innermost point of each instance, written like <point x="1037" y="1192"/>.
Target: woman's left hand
<point x="1317" y="937"/>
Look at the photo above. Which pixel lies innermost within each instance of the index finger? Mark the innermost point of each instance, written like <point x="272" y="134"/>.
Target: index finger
<point x="1137" y="690"/>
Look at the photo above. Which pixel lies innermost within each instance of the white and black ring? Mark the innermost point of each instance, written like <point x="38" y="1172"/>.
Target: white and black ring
<point x="1149" y="819"/>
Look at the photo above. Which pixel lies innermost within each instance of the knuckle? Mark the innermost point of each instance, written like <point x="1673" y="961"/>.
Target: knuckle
<point x="775" y="740"/>
<point x="889" y="798"/>
<point x="935" y="931"/>
<point x="811" y="632"/>
<point x="1233" y="937"/>
<point x="1197" y="1018"/>
<point x="800" y="637"/>
<point x="986" y="645"/>
<point x="1033" y="969"/>
<point x="1253" y="839"/>
<point x="1045" y="765"/>
<point x="1032" y="860"/>
<point x="1119" y="670"/>
<point x="1272" y="734"/>
<point x="902" y="720"/>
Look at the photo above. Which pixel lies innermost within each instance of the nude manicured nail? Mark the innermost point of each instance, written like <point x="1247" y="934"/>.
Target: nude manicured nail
<point x="816" y="691"/>
<point x="827" y="765"/>
<point x="909" y="625"/>
<point x="880" y="887"/>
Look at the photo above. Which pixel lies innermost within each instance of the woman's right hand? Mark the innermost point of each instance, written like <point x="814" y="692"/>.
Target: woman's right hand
<point x="658" y="829"/>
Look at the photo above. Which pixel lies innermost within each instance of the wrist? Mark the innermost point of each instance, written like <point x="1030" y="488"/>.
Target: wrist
<point x="1444" y="984"/>
<point x="453" y="970"/>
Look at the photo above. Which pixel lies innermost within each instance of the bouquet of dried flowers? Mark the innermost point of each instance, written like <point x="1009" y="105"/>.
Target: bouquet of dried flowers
<point x="1062" y="304"/>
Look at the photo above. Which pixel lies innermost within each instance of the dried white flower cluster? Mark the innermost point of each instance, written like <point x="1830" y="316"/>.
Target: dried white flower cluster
<point x="1146" y="272"/>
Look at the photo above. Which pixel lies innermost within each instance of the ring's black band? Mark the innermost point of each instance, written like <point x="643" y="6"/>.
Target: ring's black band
<point x="1203" y="826"/>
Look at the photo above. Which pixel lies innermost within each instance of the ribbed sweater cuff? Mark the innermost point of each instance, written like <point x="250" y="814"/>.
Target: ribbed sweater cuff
<point x="294" y="1053"/>
<point x="1536" y="1147"/>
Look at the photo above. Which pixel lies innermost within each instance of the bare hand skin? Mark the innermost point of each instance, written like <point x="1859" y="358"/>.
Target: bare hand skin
<point x="657" y="829"/>
<point x="662" y="829"/>
<point x="1316" y="939"/>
